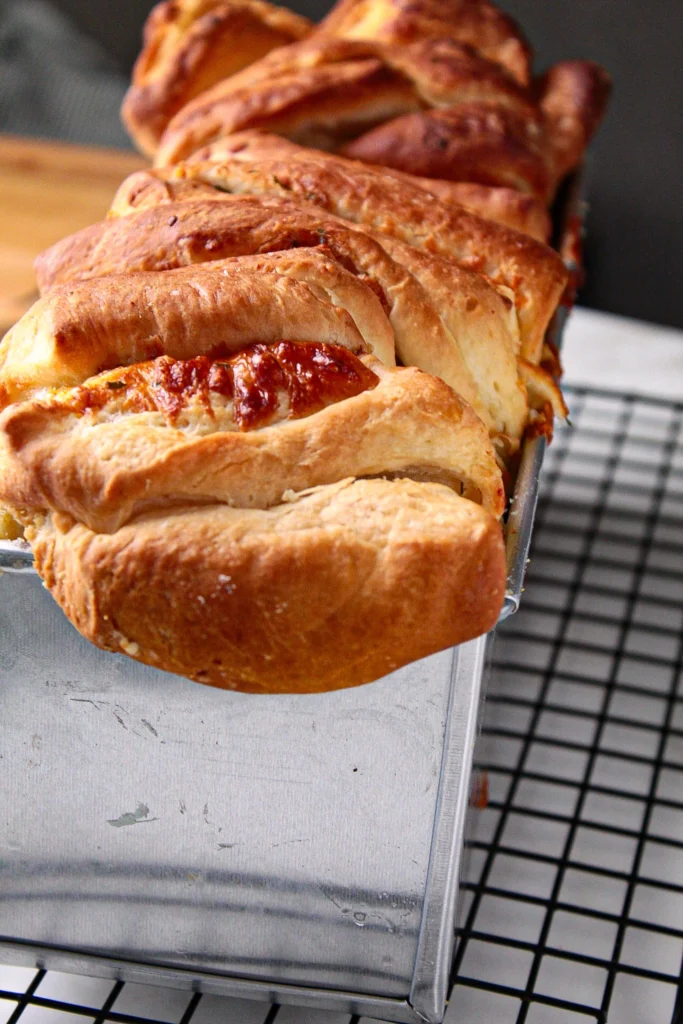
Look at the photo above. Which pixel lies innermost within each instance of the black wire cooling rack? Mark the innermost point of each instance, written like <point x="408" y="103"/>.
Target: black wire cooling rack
<point x="572" y="904"/>
<point x="576" y="879"/>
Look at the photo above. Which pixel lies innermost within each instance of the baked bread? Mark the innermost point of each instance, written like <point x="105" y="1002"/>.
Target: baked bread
<point x="504" y="205"/>
<point x="204" y="434"/>
<point x="211" y="491"/>
<point x="436" y="89"/>
<point x="448" y="321"/>
<point x="533" y="272"/>
<point x="189" y="45"/>
<point x="412" y="87"/>
<point x="476" y="23"/>
<point x="320" y="92"/>
<point x="492" y="144"/>
<point x="477" y="142"/>
<point x="241" y="431"/>
<point x="330" y="588"/>
<point x="325" y="91"/>
<point x="79" y="330"/>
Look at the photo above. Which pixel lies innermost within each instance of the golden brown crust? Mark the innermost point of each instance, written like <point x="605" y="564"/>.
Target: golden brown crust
<point x="493" y="143"/>
<point x="111" y="449"/>
<point x="76" y="331"/>
<point x="446" y="320"/>
<point x="249" y="492"/>
<point x="189" y="45"/>
<point x="445" y="73"/>
<point x="483" y="327"/>
<point x="178" y="225"/>
<point x="316" y="92"/>
<point x="504" y="205"/>
<point x="573" y="97"/>
<point x="143" y="190"/>
<point x="476" y="142"/>
<point x="224" y="595"/>
<point x="476" y="23"/>
<point x="325" y="91"/>
<point x="365" y="195"/>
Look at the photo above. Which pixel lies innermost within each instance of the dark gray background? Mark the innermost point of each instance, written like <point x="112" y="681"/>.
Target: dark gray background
<point x="636" y="218"/>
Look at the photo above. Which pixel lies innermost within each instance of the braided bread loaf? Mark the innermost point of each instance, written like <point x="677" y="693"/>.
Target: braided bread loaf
<point x="435" y="108"/>
<point x="257" y="429"/>
<point x="244" y="511"/>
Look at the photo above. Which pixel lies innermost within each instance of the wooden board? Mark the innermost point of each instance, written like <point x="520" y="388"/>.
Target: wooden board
<point x="48" y="190"/>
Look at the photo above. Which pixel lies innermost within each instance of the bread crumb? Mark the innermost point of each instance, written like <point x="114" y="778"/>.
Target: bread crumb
<point x="129" y="647"/>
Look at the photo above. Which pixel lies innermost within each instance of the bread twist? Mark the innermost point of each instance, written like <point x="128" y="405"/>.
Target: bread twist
<point x="325" y="91"/>
<point x="272" y="458"/>
<point x="204" y="432"/>
<point x="490" y="143"/>
<point x="532" y="272"/>
<point x="476" y="23"/>
<point x="189" y="45"/>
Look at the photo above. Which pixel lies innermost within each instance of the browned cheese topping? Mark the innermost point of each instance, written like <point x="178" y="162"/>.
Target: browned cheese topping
<point x="311" y="375"/>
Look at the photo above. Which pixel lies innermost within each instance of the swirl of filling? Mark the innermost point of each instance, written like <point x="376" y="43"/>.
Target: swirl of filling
<point x="264" y="383"/>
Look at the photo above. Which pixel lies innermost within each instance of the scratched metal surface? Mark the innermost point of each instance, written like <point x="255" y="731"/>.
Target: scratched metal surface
<point x="148" y="818"/>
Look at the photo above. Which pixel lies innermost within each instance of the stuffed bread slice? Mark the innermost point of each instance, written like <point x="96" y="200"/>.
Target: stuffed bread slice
<point x="243" y="431"/>
<point x="181" y="517"/>
<point x="78" y="330"/>
<point x="448" y="321"/>
<point x="331" y="588"/>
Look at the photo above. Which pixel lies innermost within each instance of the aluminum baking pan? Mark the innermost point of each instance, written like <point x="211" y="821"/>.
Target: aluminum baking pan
<point x="304" y="849"/>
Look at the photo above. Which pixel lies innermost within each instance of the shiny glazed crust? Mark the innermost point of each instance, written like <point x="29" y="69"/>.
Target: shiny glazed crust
<point x="78" y="330"/>
<point x="503" y="205"/>
<point x="364" y="195"/>
<point x="330" y="589"/>
<point x="189" y="45"/>
<point x="446" y="320"/>
<point x="476" y="23"/>
<point x="106" y="451"/>
<point x="476" y="142"/>
<point x="325" y="91"/>
<point x="493" y="144"/>
<point x="315" y="92"/>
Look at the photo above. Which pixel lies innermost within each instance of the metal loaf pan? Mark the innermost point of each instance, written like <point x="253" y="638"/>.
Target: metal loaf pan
<point x="304" y="849"/>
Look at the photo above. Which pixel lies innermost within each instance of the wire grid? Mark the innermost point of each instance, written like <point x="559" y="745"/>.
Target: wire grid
<point x="575" y="886"/>
<point x="572" y="905"/>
